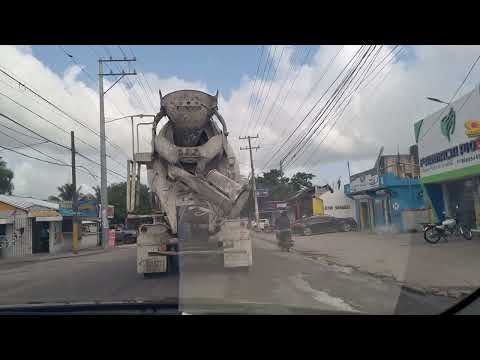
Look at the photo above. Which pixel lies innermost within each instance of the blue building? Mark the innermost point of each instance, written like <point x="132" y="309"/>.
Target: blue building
<point x="389" y="197"/>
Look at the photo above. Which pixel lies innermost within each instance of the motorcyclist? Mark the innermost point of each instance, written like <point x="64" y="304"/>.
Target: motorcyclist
<point x="283" y="232"/>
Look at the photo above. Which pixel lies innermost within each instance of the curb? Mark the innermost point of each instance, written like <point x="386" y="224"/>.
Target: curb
<point x="23" y="261"/>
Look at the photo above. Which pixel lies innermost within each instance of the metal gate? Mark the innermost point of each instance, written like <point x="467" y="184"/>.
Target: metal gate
<point x="20" y="242"/>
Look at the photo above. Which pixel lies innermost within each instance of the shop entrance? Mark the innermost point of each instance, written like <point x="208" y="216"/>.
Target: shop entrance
<point x="463" y="194"/>
<point x="40" y="237"/>
<point x="364" y="216"/>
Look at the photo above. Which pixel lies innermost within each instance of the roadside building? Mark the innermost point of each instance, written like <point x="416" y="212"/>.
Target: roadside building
<point x="449" y="156"/>
<point x="389" y="197"/>
<point x="337" y="204"/>
<point x="88" y="219"/>
<point x="301" y="203"/>
<point x="28" y="226"/>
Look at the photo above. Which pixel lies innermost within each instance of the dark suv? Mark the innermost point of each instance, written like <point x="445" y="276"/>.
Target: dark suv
<point x="323" y="224"/>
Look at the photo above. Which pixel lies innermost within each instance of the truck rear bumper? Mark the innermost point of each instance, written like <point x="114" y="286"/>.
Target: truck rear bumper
<point x="194" y="252"/>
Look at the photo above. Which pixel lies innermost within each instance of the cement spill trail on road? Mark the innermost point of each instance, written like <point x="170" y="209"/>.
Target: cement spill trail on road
<point x="321" y="296"/>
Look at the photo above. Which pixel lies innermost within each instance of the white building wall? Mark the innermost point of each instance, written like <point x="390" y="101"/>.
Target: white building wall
<point x="338" y="204"/>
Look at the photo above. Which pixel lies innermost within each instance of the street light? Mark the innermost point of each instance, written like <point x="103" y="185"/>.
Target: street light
<point x="437" y="100"/>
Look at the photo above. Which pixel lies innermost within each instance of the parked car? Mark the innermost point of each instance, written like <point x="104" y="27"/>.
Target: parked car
<point x="323" y="224"/>
<point x="125" y="236"/>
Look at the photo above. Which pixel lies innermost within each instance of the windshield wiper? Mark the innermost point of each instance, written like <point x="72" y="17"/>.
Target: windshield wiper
<point x="167" y="306"/>
<point x="462" y="304"/>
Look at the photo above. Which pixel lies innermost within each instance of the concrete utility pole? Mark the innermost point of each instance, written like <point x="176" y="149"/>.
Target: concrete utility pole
<point x="74" y="197"/>
<point x="254" y="187"/>
<point x="103" y="151"/>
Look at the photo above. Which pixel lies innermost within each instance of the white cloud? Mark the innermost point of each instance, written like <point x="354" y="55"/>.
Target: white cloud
<point x="383" y="116"/>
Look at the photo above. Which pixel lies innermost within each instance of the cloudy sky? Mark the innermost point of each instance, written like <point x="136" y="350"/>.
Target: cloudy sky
<point x="267" y="90"/>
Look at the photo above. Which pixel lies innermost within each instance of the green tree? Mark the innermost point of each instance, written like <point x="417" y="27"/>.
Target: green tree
<point x="117" y="196"/>
<point x="65" y="192"/>
<point x="54" y="198"/>
<point x="6" y="177"/>
<point x="301" y="180"/>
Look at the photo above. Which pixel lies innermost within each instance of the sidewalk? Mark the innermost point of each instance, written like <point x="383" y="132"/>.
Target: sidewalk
<point x="450" y="269"/>
<point x="47" y="257"/>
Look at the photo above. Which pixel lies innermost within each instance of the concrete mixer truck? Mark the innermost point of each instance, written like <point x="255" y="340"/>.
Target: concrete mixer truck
<point x="197" y="192"/>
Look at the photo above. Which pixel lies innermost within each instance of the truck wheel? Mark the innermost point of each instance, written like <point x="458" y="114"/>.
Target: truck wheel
<point x="307" y="231"/>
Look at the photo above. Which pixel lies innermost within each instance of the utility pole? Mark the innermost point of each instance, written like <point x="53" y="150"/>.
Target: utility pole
<point x="254" y="187"/>
<point x="74" y="197"/>
<point x="103" y="150"/>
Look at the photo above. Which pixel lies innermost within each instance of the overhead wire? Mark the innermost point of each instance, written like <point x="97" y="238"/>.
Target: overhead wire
<point x="305" y="117"/>
<point x="261" y="86"/>
<point x="250" y="99"/>
<point x="340" y="113"/>
<point x="299" y="70"/>
<point x="328" y="107"/>
<point x="90" y="77"/>
<point x="55" y="125"/>
<point x="59" y="109"/>
<point x="451" y="99"/>
<point x="275" y="71"/>
<point x="58" y="144"/>
<point x="265" y="121"/>
<point x="275" y="153"/>
<point x="369" y="96"/>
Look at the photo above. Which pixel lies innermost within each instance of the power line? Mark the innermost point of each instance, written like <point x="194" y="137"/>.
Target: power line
<point x="259" y="94"/>
<point x="90" y="77"/>
<point x="275" y="153"/>
<point x="265" y="121"/>
<point x="301" y="67"/>
<point x="19" y="132"/>
<point x="275" y="70"/>
<point x="250" y="100"/>
<point x="32" y="157"/>
<point x="51" y="123"/>
<point x="335" y="99"/>
<point x="59" y="109"/>
<point x="320" y="99"/>
<point x="58" y="144"/>
<point x="453" y="96"/>
<point x="340" y="114"/>
<point x="371" y="93"/>
<point x="142" y="76"/>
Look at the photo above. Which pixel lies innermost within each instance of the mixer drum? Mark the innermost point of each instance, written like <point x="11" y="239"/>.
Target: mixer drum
<point x="190" y="112"/>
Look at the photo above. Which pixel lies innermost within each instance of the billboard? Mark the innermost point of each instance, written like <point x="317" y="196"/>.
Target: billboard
<point x="365" y="181"/>
<point x="449" y="139"/>
<point x="87" y="207"/>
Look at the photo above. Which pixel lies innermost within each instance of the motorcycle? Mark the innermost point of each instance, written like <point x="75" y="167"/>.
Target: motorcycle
<point x="450" y="226"/>
<point x="285" y="241"/>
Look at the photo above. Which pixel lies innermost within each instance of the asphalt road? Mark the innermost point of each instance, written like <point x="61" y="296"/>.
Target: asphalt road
<point x="279" y="278"/>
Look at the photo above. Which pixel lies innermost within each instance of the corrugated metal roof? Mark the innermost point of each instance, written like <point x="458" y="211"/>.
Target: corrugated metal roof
<point x="27" y="203"/>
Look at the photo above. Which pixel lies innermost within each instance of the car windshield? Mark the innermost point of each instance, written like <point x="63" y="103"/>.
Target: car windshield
<point x="316" y="179"/>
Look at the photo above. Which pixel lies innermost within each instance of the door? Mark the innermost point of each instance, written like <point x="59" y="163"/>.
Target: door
<point x="40" y="236"/>
<point x="461" y="193"/>
<point x="364" y="218"/>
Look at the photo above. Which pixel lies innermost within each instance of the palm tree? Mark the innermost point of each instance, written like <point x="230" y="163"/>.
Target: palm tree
<point x="66" y="192"/>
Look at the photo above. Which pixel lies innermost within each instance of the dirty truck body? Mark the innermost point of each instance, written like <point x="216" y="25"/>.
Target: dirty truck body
<point x="194" y="177"/>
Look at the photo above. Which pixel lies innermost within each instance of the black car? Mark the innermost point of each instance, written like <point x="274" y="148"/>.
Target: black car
<point x="323" y="224"/>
